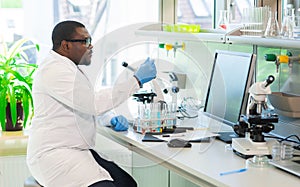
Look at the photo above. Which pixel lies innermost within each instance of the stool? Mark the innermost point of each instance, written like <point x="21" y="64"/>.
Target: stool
<point x="31" y="182"/>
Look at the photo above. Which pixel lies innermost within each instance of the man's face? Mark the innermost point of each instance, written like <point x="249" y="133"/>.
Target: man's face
<point x="80" y="47"/>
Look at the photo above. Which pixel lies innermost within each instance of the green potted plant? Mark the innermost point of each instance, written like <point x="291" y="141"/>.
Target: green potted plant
<point x="16" y="105"/>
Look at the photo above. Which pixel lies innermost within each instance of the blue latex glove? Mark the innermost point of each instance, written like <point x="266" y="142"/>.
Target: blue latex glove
<point x="119" y="123"/>
<point x="146" y="72"/>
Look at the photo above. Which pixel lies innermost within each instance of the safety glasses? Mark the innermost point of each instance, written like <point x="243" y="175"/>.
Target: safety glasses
<point x="87" y="41"/>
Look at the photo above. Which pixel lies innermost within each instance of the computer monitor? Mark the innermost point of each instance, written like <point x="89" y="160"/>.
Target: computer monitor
<point x="227" y="94"/>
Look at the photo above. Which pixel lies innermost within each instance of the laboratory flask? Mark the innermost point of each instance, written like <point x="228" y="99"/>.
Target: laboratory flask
<point x="223" y="20"/>
<point x="288" y="24"/>
<point x="273" y="29"/>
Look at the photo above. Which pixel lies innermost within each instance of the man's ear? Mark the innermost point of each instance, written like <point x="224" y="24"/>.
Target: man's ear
<point x="64" y="45"/>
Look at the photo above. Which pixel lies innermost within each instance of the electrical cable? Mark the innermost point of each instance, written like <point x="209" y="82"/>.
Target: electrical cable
<point x="185" y="114"/>
<point x="297" y="147"/>
<point x="293" y="135"/>
<point x="286" y="138"/>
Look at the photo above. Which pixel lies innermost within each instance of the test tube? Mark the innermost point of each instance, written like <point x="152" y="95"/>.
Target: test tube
<point x="156" y="116"/>
<point x="164" y="113"/>
<point x="147" y="122"/>
<point x="141" y="116"/>
<point x="172" y="109"/>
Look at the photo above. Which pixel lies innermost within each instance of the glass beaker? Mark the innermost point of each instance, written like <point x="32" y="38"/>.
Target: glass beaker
<point x="287" y="27"/>
<point x="273" y="29"/>
<point x="223" y="20"/>
<point x="288" y="23"/>
<point x="296" y="28"/>
<point x="282" y="151"/>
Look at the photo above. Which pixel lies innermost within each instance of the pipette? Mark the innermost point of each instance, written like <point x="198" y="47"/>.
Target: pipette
<point x="154" y="83"/>
<point x="125" y="64"/>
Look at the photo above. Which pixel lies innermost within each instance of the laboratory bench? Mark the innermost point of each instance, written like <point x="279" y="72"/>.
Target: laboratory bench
<point x="202" y="163"/>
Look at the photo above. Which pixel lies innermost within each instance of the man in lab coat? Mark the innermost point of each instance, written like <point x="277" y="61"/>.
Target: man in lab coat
<point x="62" y="137"/>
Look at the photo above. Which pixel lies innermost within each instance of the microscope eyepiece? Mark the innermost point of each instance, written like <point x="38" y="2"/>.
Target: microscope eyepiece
<point x="269" y="80"/>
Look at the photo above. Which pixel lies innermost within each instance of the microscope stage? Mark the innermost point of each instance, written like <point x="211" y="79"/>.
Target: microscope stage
<point x="246" y="148"/>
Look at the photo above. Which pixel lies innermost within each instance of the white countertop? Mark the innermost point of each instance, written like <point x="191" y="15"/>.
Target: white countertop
<point x="203" y="163"/>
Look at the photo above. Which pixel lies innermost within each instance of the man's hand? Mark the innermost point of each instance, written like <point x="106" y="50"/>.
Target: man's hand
<point x="146" y="72"/>
<point x="119" y="123"/>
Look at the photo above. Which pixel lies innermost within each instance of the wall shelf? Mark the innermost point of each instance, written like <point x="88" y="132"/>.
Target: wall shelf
<point x="154" y="30"/>
<point x="209" y="37"/>
<point x="266" y="42"/>
<point x="212" y="35"/>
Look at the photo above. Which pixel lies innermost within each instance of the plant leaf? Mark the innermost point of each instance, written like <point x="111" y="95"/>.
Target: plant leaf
<point x="16" y="80"/>
<point x="27" y="102"/>
<point x="3" y="104"/>
<point x="37" y="46"/>
<point x="16" y="48"/>
<point x="26" y="65"/>
<point x="16" y="51"/>
<point x="13" y="104"/>
<point x="5" y="49"/>
<point x="17" y="75"/>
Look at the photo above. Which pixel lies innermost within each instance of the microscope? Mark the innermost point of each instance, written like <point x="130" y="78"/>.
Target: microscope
<point x="177" y="80"/>
<point x="259" y="120"/>
<point x="174" y="89"/>
<point x="155" y="115"/>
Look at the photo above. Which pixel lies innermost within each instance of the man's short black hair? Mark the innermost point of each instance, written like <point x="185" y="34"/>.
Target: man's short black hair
<point x="64" y="31"/>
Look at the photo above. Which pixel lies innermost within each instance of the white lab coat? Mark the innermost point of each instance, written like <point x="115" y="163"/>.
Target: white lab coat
<point x="64" y="128"/>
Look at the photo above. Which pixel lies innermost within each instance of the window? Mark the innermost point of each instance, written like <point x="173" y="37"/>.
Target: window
<point x="202" y="11"/>
<point x="195" y="11"/>
<point x="35" y="19"/>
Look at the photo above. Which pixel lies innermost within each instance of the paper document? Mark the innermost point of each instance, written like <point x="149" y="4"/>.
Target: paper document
<point x="189" y="135"/>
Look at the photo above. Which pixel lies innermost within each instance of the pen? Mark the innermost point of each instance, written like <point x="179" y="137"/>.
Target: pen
<point x="172" y="135"/>
<point x="233" y="171"/>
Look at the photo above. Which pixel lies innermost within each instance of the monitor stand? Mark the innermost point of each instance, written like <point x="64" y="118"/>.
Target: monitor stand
<point x="227" y="136"/>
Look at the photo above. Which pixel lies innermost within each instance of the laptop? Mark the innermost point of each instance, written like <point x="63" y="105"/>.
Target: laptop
<point x="227" y="94"/>
<point x="291" y="166"/>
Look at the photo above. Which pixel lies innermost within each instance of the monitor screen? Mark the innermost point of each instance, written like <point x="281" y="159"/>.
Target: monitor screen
<point x="231" y="77"/>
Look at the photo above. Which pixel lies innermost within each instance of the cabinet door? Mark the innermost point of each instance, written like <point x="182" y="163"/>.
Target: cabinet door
<point x="178" y="181"/>
<point x="148" y="173"/>
<point x="115" y="152"/>
<point x="13" y="171"/>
